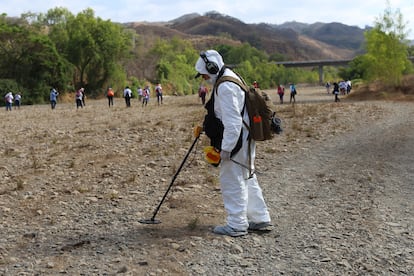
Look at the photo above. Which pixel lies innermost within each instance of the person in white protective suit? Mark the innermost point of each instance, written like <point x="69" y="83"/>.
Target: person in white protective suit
<point x="242" y="196"/>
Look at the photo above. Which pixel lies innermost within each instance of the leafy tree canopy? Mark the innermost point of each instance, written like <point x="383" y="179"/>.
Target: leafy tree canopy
<point x="66" y="51"/>
<point x="387" y="48"/>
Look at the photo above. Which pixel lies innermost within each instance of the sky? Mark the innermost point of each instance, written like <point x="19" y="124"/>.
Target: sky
<point x="359" y="13"/>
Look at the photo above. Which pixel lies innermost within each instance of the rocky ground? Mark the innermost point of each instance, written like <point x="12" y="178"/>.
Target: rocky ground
<point x="74" y="184"/>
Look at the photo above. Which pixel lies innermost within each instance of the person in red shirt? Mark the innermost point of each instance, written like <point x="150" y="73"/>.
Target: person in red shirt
<point x="280" y="92"/>
<point x="202" y="92"/>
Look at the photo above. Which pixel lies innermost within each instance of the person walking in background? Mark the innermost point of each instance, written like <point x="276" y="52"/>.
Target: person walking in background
<point x="293" y="92"/>
<point x="328" y="86"/>
<point x="202" y="93"/>
<point x="280" y="92"/>
<point x="139" y="91"/>
<point x="241" y="193"/>
<point x="148" y="88"/>
<point x="8" y="98"/>
<point x="336" y="91"/>
<point x="110" y="95"/>
<point x="53" y="97"/>
<point x="17" y="100"/>
<point x="348" y="86"/>
<point x="342" y="87"/>
<point x="256" y="85"/>
<point x="127" y="96"/>
<point x="145" y="96"/>
<point x="158" y="93"/>
<point x="78" y="98"/>
<point x="83" y="97"/>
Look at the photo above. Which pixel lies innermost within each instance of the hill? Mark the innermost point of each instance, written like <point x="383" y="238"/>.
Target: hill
<point x="335" y="34"/>
<point x="294" y="41"/>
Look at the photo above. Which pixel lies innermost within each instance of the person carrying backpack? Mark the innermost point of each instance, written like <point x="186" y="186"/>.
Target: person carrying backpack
<point x="110" y="95"/>
<point x="145" y="96"/>
<point x="293" y="92"/>
<point x="158" y="93"/>
<point x="335" y="91"/>
<point x="127" y="96"/>
<point x="242" y="196"/>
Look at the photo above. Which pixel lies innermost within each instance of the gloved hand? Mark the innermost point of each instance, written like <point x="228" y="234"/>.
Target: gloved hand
<point x="212" y="155"/>
<point x="225" y="155"/>
<point x="197" y="131"/>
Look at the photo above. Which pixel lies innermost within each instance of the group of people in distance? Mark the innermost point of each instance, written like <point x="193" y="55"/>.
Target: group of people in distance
<point x="143" y="95"/>
<point x="342" y="87"/>
<point x="339" y="88"/>
<point x="9" y="98"/>
<point x="281" y="93"/>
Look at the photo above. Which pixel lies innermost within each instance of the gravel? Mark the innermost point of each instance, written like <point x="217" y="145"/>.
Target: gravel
<point x="74" y="183"/>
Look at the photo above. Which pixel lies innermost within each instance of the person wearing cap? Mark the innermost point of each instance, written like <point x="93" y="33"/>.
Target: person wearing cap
<point x="242" y="196"/>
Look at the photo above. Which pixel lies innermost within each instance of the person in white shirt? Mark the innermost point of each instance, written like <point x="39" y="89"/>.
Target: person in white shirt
<point x="127" y="96"/>
<point x="9" y="101"/>
<point x="158" y="92"/>
<point x="17" y="101"/>
<point x="78" y="98"/>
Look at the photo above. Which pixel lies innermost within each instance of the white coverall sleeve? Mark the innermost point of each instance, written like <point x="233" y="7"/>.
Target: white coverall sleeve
<point x="228" y="106"/>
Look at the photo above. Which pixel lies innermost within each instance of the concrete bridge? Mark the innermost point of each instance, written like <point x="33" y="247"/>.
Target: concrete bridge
<point x="313" y="63"/>
<point x="320" y="64"/>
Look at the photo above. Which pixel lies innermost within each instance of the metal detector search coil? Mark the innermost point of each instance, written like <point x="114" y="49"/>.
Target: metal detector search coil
<point x="149" y="221"/>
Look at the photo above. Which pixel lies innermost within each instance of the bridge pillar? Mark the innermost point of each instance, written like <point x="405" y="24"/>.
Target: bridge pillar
<point x="321" y="81"/>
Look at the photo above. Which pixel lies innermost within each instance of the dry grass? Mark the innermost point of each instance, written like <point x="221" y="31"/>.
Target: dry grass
<point x="378" y="91"/>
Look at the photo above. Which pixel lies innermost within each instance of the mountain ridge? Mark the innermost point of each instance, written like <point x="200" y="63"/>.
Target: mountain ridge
<point x="291" y="40"/>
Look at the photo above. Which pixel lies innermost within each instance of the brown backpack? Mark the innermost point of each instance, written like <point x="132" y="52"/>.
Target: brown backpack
<point x="263" y="121"/>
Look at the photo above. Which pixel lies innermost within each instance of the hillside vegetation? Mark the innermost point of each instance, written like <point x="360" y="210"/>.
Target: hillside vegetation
<point x="68" y="51"/>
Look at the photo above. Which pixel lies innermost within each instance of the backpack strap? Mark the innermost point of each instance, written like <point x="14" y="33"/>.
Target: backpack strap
<point x="242" y="84"/>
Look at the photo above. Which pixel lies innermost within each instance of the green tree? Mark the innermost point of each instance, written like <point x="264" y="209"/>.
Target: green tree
<point x="387" y="48"/>
<point x="175" y="66"/>
<point x="31" y="59"/>
<point x="95" y="48"/>
<point x="410" y="50"/>
<point x="357" y="69"/>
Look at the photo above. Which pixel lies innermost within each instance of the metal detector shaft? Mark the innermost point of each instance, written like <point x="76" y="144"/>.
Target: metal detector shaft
<point x="173" y="179"/>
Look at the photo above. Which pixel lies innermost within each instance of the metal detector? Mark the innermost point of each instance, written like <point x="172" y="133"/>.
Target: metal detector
<point x="152" y="220"/>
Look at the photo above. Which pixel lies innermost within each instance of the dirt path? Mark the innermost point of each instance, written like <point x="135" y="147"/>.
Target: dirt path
<point x="343" y="205"/>
<point x="350" y="201"/>
<point x="338" y="182"/>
